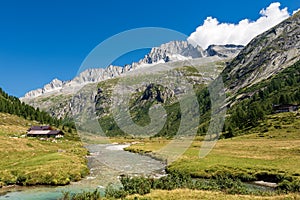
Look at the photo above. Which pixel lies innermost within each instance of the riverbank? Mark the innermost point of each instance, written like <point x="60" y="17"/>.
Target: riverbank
<point x="196" y="190"/>
<point x="29" y="162"/>
<point x="272" y="161"/>
<point x="107" y="163"/>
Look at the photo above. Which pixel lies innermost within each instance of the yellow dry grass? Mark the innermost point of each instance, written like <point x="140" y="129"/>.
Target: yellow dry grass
<point x="186" y="194"/>
<point x="34" y="161"/>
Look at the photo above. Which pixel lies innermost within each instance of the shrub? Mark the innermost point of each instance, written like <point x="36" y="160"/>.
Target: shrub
<point x="289" y="186"/>
<point x="113" y="192"/>
<point x="136" y="185"/>
<point x="81" y="196"/>
<point x="173" y="181"/>
<point x="285" y="186"/>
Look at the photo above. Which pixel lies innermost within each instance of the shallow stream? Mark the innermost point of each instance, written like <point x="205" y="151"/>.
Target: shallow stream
<point x="106" y="162"/>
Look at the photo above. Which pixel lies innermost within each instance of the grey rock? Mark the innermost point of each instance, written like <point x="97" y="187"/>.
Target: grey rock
<point x="266" y="55"/>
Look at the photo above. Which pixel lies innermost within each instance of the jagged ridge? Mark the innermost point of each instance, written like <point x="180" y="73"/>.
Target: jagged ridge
<point x="170" y="52"/>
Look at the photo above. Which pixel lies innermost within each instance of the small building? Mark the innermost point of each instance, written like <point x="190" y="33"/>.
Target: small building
<point x="285" y="108"/>
<point x="44" y="131"/>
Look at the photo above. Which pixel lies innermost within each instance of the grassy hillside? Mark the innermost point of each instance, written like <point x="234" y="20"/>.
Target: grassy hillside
<point x="182" y="194"/>
<point x="12" y="105"/>
<point x="251" y="106"/>
<point x="30" y="161"/>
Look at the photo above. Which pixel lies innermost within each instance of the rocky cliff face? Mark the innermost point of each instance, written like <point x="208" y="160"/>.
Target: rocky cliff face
<point x="265" y="55"/>
<point x="183" y="50"/>
<point x="229" y="50"/>
<point x="174" y="51"/>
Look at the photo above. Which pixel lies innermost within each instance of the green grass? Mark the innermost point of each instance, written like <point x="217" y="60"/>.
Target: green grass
<point x="279" y="126"/>
<point x="29" y="161"/>
<point x="273" y="155"/>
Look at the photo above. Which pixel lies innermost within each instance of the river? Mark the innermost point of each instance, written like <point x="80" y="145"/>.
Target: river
<point x="106" y="162"/>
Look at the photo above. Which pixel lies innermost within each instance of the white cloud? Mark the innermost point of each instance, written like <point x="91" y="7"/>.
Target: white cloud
<point x="214" y="32"/>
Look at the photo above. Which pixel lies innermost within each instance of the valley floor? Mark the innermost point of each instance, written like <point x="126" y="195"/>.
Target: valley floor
<point x="271" y="156"/>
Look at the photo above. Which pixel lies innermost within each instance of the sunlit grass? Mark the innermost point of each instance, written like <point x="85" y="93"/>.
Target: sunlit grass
<point x="276" y="151"/>
<point x="181" y="194"/>
<point x="29" y="161"/>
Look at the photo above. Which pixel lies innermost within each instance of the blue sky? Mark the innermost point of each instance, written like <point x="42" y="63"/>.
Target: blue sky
<point x="43" y="40"/>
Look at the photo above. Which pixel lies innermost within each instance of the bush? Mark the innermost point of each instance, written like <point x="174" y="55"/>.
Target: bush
<point x="21" y="180"/>
<point x="173" y="181"/>
<point x="285" y="186"/>
<point x="289" y="186"/>
<point x="136" y="185"/>
<point x="81" y="196"/>
<point x="113" y="192"/>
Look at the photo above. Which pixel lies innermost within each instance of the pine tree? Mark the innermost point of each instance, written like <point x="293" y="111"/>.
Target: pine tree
<point x="12" y="105"/>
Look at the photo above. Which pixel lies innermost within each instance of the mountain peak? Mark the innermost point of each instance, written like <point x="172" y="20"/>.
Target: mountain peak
<point x="168" y="52"/>
<point x="173" y="51"/>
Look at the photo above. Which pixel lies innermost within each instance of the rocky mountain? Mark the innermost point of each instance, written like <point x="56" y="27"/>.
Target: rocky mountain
<point x="170" y="52"/>
<point x="54" y="85"/>
<point x="67" y="100"/>
<point x="88" y="76"/>
<point x="183" y="50"/>
<point x="229" y="50"/>
<point x="266" y="55"/>
<point x="173" y="51"/>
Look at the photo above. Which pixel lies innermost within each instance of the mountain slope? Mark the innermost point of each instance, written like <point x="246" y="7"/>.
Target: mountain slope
<point x="255" y="104"/>
<point x="12" y="105"/>
<point x="265" y="55"/>
<point x="56" y="97"/>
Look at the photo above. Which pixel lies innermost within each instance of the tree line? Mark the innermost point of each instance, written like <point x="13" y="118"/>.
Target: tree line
<point x="280" y="90"/>
<point x="12" y="105"/>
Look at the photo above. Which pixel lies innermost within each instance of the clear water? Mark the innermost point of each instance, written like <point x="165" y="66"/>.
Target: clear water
<point x="106" y="162"/>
